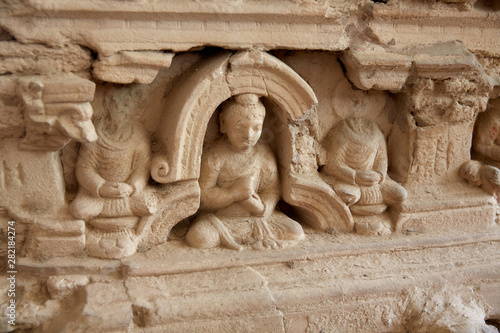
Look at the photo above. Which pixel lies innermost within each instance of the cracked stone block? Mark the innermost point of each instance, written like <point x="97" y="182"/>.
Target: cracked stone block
<point x="132" y="66"/>
<point x="62" y="286"/>
<point x="107" y="307"/>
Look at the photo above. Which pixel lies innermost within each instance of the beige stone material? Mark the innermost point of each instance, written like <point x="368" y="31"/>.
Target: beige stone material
<point x="346" y="284"/>
<point x="131" y="67"/>
<point x="240" y="185"/>
<point x="446" y="310"/>
<point x="370" y="66"/>
<point x="55" y="111"/>
<point x="52" y="109"/>
<point x="198" y="95"/>
<point x="113" y="174"/>
<point x="32" y="59"/>
<point x="356" y="168"/>
<point x="61" y="287"/>
<point x="347" y="148"/>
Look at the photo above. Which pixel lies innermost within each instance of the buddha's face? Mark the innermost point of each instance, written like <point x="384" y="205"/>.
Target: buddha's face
<point x="242" y="131"/>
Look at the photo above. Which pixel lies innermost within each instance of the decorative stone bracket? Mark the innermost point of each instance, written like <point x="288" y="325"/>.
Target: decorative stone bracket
<point x="55" y="109"/>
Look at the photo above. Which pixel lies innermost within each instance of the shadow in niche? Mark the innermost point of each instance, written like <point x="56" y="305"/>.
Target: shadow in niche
<point x="207" y="51"/>
<point x="6" y="36"/>
<point x="487" y="5"/>
<point x="493" y="322"/>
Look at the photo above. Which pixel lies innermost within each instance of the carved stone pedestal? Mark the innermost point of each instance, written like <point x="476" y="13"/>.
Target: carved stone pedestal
<point x="34" y="199"/>
<point x="53" y="238"/>
<point x="439" y="208"/>
<point x="349" y="284"/>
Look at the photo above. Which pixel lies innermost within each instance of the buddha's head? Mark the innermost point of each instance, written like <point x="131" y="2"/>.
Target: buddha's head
<point x="241" y="121"/>
<point x="122" y="105"/>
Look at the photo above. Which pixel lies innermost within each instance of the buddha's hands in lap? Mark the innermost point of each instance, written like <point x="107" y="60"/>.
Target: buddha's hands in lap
<point x="115" y="190"/>
<point x="367" y="177"/>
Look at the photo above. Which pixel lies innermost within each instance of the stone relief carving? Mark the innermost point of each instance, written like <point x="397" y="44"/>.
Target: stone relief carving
<point x="56" y="111"/>
<point x="482" y="170"/>
<point x="113" y="173"/>
<point x="356" y="167"/>
<point x="240" y="185"/>
<point x="192" y="102"/>
<point x="128" y="66"/>
<point x="482" y="175"/>
<point x="234" y="183"/>
<point x="53" y="110"/>
<point x="485" y="139"/>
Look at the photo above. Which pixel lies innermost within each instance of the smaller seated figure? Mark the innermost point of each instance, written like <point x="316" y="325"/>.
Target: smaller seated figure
<point x="356" y="168"/>
<point x="240" y="185"/>
<point x="113" y="172"/>
<point x="482" y="175"/>
<point x="486" y="138"/>
<point x="484" y="170"/>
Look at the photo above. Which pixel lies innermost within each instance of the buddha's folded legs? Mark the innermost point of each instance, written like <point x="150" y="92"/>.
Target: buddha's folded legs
<point x="284" y="228"/>
<point x="392" y="192"/>
<point x="209" y="231"/>
<point x="85" y="206"/>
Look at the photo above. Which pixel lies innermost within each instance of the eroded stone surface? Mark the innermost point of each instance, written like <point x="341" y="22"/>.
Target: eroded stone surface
<point x="353" y="117"/>
<point x="349" y="283"/>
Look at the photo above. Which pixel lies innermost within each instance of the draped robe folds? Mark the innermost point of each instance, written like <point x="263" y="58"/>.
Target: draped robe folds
<point x="108" y="160"/>
<point x="357" y="145"/>
<point x="235" y="225"/>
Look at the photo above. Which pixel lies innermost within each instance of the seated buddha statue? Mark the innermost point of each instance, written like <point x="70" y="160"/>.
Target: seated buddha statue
<point x="240" y="185"/>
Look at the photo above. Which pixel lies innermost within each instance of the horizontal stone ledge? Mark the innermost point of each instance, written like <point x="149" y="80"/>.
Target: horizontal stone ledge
<point x="107" y="37"/>
<point x="183" y="259"/>
<point x="215" y="7"/>
<point x="176" y="257"/>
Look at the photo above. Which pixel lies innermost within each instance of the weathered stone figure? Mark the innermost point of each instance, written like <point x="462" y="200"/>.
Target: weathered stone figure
<point x="112" y="174"/>
<point x="486" y="139"/>
<point x="240" y="185"/>
<point x="113" y="171"/>
<point x="479" y="174"/>
<point x="356" y="167"/>
<point x="483" y="170"/>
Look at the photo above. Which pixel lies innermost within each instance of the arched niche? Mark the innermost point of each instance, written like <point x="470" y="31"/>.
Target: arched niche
<point x="193" y="101"/>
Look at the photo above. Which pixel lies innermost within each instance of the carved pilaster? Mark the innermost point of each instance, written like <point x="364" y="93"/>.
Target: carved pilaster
<point x="431" y="138"/>
<point x="50" y="110"/>
<point x="441" y="89"/>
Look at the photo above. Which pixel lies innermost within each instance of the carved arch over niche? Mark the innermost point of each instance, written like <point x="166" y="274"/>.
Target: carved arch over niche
<point x="193" y="101"/>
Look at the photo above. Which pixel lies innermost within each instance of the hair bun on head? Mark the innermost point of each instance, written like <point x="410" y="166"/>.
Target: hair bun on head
<point x="246" y="99"/>
<point x="244" y="104"/>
